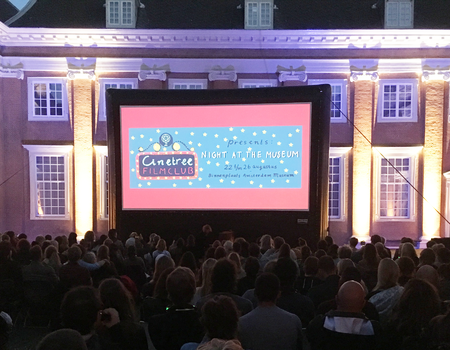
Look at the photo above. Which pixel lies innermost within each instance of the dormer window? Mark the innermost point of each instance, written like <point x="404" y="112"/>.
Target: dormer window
<point x="399" y="14"/>
<point x="258" y="14"/>
<point x="121" y="13"/>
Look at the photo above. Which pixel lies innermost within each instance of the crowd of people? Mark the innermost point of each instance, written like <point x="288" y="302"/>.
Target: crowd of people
<point x="205" y="293"/>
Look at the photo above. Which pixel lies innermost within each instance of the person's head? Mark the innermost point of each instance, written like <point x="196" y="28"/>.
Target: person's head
<point x="444" y="271"/>
<point x="103" y="253"/>
<point x="344" y="252"/>
<point x="36" y="253"/>
<point x="90" y="258"/>
<point x="220" y="253"/>
<point x="72" y="239"/>
<point x="375" y="239"/>
<point x="228" y="246"/>
<point x="49" y="251"/>
<point x="267" y="288"/>
<point x="67" y="339"/>
<point x="370" y="254"/>
<point x="223" y="278"/>
<point x="388" y="273"/>
<point x="353" y="242"/>
<point x="406" y="266"/>
<point x="206" y="229"/>
<point x="79" y="309"/>
<point x="427" y="257"/>
<point x="112" y="234"/>
<point x="266" y="242"/>
<point x="285" y="251"/>
<point x="351" y="273"/>
<point x="429" y="274"/>
<point x="161" y="246"/>
<point x="89" y="236"/>
<point x="381" y="250"/>
<point x="114" y="294"/>
<point x="162" y="262"/>
<point x="160" y="290"/>
<point x="251" y="267"/>
<point x="431" y="243"/>
<point x="311" y="266"/>
<point x="219" y="344"/>
<point x="253" y="250"/>
<point x="74" y="254"/>
<point x="23" y="246"/>
<point x="343" y="264"/>
<point x="180" y="286"/>
<point x="220" y="318"/>
<point x="305" y="252"/>
<point x="326" y="266"/>
<point x="207" y="268"/>
<point x="188" y="260"/>
<point x="286" y="270"/>
<point x="351" y="297"/>
<point x="329" y="240"/>
<point x="234" y="257"/>
<point x="408" y="249"/>
<point x="322" y="244"/>
<point x="443" y="255"/>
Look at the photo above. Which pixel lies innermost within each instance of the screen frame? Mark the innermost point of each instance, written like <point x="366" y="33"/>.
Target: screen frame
<point x="311" y="223"/>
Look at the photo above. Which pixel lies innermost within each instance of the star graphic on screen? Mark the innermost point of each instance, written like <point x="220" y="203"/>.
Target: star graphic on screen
<point x="291" y="144"/>
<point x="243" y="159"/>
<point x="217" y="164"/>
<point x="218" y="146"/>
<point x="290" y="135"/>
<point x="204" y="134"/>
<point x="176" y="132"/>
<point x="149" y="183"/>
<point x="264" y="132"/>
<point x="141" y="149"/>
<point x="164" y="149"/>
<point x="192" y="149"/>
<point x="199" y="179"/>
<point x="173" y="177"/>
<point x="260" y="186"/>
<point x="221" y="180"/>
<point x="262" y="160"/>
<point x="251" y="182"/>
<point x="199" y="145"/>
<point x="225" y="139"/>
<point x="192" y="133"/>
<point x="272" y="181"/>
<point x="249" y="149"/>
<point x="158" y="178"/>
<point x="133" y="170"/>
<point x="150" y="140"/>
<point x="142" y="136"/>
<point x="190" y="142"/>
<point x="287" y="180"/>
<point x="227" y="162"/>
<point x="140" y="185"/>
<point x="273" y="135"/>
<point x="235" y="137"/>
<point x="158" y="131"/>
<point x="174" y="185"/>
<point x="254" y="134"/>
<point x="208" y="162"/>
<point x="132" y="152"/>
<point x="233" y="182"/>
<point x="231" y="129"/>
<point x="296" y="172"/>
<point x="278" y="143"/>
<point x="216" y="136"/>
<point x="242" y="130"/>
<point x="190" y="183"/>
<point x="298" y="130"/>
<point x="208" y="186"/>
<point x="286" y="170"/>
<point x="132" y="137"/>
<point x="281" y="161"/>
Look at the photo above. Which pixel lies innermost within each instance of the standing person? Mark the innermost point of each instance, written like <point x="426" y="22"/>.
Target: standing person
<point x="268" y="327"/>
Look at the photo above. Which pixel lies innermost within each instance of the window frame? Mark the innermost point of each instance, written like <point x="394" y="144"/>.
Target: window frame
<point x="258" y="12"/>
<point x="120" y="24"/>
<point x="49" y="150"/>
<point x="260" y="83"/>
<point x="176" y="81"/>
<point x="414" y="101"/>
<point x="343" y="83"/>
<point x="396" y="152"/>
<point x="398" y="24"/>
<point x="342" y="154"/>
<point x="102" y="92"/>
<point x="47" y="81"/>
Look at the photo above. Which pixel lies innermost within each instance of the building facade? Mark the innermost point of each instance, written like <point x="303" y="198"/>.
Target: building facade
<point x="389" y="150"/>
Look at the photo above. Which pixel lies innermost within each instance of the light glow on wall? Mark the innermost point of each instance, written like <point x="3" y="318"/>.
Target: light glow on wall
<point x="432" y="158"/>
<point x="83" y="152"/>
<point x="362" y="159"/>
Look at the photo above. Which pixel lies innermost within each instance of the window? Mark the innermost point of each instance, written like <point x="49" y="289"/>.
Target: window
<point x="103" y="169"/>
<point x="399" y="14"/>
<point x="120" y="14"/>
<point x="106" y="84"/>
<point x="336" y="182"/>
<point x="256" y="83"/>
<point x="338" y="98"/>
<point x="258" y="14"/>
<point x="47" y="99"/>
<point x="188" y="84"/>
<point x="49" y="192"/>
<point x="396" y="169"/>
<point x="397" y="101"/>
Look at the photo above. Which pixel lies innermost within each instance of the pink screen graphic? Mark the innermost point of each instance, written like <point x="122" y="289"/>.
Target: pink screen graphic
<point x="275" y="125"/>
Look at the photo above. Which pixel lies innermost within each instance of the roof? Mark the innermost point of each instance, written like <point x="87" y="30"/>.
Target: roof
<point x="7" y="10"/>
<point x="229" y="14"/>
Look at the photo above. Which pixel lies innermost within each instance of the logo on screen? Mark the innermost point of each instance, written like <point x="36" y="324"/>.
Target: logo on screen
<point x="166" y="165"/>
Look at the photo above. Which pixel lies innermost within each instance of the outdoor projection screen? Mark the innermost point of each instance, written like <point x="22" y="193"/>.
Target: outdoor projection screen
<point x="241" y="151"/>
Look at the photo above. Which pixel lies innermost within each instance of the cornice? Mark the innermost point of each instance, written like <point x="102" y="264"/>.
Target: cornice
<point x="225" y="39"/>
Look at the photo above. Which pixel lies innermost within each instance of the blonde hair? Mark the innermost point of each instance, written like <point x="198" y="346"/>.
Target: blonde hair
<point x="388" y="272"/>
<point x="219" y="344"/>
